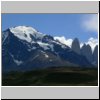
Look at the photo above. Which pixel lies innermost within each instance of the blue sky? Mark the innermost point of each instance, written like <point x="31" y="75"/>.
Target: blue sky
<point x="82" y="26"/>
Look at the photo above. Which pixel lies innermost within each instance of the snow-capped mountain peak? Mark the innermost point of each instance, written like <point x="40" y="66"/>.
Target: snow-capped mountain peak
<point x="25" y="33"/>
<point x="23" y="30"/>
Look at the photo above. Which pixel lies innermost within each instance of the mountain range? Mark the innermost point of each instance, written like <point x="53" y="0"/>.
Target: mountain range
<point x="24" y="48"/>
<point x="88" y="49"/>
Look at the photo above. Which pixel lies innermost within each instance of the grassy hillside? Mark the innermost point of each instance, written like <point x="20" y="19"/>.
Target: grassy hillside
<point x="53" y="77"/>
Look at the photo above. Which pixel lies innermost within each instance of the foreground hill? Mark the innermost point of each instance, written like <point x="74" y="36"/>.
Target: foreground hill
<point x="56" y="76"/>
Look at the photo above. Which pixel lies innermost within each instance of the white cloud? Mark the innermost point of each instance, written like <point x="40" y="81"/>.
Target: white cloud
<point x="81" y="44"/>
<point x="92" y="42"/>
<point x="90" y="23"/>
<point x="65" y="41"/>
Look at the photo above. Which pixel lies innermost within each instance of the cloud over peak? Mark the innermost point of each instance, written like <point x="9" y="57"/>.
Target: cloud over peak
<point x="92" y="42"/>
<point x="63" y="40"/>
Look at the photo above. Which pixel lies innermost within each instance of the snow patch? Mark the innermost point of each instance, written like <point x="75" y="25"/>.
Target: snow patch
<point x="5" y="35"/>
<point x="42" y="51"/>
<point x="52" y="47"/>
<point x="63" y="46"/>
<point x="16" y="61"/>
<point x="46" y="56"/>
<point x="43" y="45"/>
<point x="33" y="48"/>
<point x="34" y="57"/>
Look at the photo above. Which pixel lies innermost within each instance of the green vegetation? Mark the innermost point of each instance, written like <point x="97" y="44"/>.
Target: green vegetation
<point x="58" y="76"/>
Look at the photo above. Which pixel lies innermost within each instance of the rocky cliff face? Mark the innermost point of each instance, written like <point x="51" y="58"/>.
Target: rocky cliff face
<point x="87" y="52"/>
<point x="76" y="46"/>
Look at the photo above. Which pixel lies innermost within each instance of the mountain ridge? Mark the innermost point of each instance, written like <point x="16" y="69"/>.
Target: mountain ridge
<point x="20" y="53"/>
